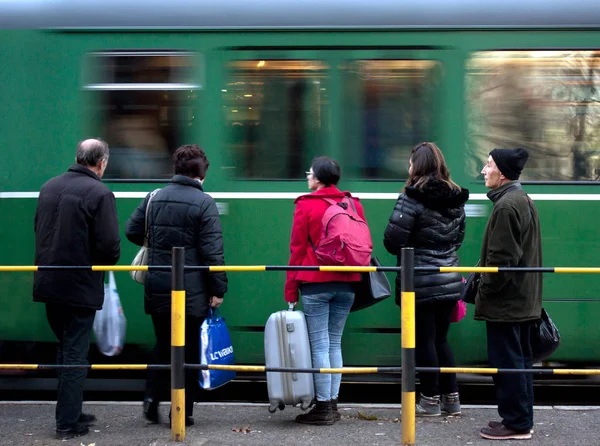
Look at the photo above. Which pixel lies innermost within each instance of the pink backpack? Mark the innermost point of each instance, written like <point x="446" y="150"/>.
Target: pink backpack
<point x="345" y="236"/>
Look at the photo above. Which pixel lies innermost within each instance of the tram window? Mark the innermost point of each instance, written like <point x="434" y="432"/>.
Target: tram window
<point x="545" y="101"/>
<point x="143" y="107"/>
<point x="389" y="106"/>
<point x="276" y="116"/>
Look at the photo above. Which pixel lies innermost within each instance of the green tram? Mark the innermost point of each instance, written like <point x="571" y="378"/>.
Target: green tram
<point x="264" y="87"/>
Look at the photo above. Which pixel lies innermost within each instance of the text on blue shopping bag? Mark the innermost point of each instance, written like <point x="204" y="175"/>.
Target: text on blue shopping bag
<point x="215" y="348"/>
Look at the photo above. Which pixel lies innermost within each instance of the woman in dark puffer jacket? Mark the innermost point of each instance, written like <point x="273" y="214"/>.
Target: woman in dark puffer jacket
<point x="429" y="216"/>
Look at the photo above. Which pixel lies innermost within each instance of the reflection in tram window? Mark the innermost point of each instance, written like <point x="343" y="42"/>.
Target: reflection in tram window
<point x="545" y="101"/>
<point x="389" y="106"/>
<point x="276" y="116"/>
<point x="143" y="104"/>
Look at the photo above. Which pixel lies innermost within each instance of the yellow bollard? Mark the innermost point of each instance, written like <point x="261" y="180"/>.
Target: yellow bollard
<point x="408" y="347"/>
<point x="178" y="347"/>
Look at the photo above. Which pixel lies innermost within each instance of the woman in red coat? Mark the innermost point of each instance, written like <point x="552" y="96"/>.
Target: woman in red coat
<point x="326" y="296"/>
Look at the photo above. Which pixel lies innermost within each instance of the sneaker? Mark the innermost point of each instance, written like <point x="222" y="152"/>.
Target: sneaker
<point x="67" y="434"/>
<point x="494" y="424"/>
<point x="320" y="415"/>
<point x="504" y="433"/>
<point x="451" y="403"/>
<point x="428" y="406"/>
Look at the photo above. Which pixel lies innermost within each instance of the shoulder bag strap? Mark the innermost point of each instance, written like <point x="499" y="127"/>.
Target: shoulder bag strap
<point x="152" y="194"/>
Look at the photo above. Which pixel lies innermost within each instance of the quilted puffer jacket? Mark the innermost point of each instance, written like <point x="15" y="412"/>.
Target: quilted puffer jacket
<point x="432" y="221"/>
<point x="180" y="214"/>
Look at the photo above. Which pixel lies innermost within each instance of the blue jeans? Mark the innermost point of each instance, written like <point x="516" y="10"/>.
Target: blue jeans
<point x="326" y="313"/>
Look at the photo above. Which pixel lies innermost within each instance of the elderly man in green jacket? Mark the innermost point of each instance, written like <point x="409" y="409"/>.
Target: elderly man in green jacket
<point x="510" y="302"/>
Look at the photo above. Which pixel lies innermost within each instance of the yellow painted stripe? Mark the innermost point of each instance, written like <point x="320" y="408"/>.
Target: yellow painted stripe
<point x="576" y="372"/>
<point x="408" y="418"/>
<point x="19" y="366"/>
<point x="577" y="270"/>
<point x="18" y="268"/>
<point x="468" y="269"/>
<point x="178" y="414"/>
<point x="119" y="268"/>
<point x="468" y="370"/>
<point x="408" y="319"/>
<point x="119" y="366"/>
<point x="221" y="268"/>
<point x="349" y="269"/>
<point x="178" y="318"/>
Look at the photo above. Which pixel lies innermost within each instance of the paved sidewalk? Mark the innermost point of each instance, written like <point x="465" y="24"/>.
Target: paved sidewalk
<point x="29" y="423"/>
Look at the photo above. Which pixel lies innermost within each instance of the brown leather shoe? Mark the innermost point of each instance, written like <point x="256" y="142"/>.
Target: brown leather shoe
<point x="494" y="424"/>
<point x="504" y="433"/>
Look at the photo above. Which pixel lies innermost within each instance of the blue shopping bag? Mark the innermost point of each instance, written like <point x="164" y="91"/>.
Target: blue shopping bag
<point x="215" y="348"/>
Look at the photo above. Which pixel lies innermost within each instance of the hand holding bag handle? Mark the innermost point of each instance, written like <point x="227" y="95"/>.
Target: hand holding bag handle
<point x="141" y="258"/>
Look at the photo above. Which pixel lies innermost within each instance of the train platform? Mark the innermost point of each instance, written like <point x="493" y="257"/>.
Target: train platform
<point x="32" y="423"/>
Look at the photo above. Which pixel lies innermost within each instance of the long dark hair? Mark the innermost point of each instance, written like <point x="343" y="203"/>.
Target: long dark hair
<point x="428" y="162"/>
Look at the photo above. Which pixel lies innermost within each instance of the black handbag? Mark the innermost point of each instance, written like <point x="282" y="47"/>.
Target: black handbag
<point x="373" y="288"/>
<point x="471" y="286"/>
<point x="470" y="289"/>
<point x="545" y="338"/>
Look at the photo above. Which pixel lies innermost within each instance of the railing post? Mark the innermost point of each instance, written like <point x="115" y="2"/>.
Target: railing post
<point x="177" y="346"/>
<point x="408" y="346"/>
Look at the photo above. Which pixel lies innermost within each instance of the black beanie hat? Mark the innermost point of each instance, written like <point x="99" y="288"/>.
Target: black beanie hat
<point x="510" y="162"/>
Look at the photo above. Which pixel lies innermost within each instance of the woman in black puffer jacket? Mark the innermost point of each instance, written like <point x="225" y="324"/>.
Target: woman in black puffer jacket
<point x="429" y="216"/>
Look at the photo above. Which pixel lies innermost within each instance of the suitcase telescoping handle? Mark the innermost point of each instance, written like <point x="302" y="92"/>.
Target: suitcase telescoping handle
<point x="291" y="307"/>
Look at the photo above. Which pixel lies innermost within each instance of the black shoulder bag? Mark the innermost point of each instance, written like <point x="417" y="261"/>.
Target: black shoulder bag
<point x="373" y="288"/>
<point x="471" y="286"/>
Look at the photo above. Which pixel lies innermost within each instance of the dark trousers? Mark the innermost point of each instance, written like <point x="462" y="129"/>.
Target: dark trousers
<point x="72" y="327"/>
<point x="158" y="380"/>
<point x="509" y="346"/>
<point x="432" y="322"/>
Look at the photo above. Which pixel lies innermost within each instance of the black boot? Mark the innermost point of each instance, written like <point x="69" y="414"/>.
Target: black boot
<point x="151" y="410"/>
<point x="321" y="415"/>
<point x="87" y="418"/>
<point x="77" y="431"/>
<point x="334" y="409"/>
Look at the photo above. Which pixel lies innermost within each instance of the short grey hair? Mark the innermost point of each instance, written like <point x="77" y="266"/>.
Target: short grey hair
<point x="91" y="151"/>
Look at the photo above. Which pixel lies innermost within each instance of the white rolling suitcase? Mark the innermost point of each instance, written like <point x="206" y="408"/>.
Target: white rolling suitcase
<point x="287" y="345"/>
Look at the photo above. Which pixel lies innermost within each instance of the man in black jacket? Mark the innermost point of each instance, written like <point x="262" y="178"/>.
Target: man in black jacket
<point x="180" y="214"/>
<point x="75" y="224"/>
<point x="510" y="302"/>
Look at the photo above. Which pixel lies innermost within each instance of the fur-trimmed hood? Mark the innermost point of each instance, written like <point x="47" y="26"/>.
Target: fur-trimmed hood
<point x="438" y="195"/>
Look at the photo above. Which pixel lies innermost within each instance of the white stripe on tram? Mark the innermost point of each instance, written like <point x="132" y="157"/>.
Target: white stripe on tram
<point x="294" y="195"/>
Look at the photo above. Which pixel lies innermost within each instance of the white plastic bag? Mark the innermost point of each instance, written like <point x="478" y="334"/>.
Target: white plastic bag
<point x="110" y="324"/>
